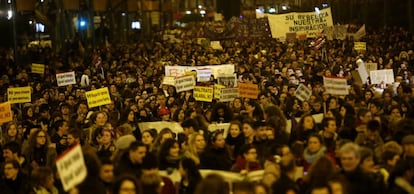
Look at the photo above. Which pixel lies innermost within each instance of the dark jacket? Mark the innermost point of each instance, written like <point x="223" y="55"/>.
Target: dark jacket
<point x="18" y="186"/>
<point x="362" y="183"/>
<point x="125" y="166"/>
<point x="284" y="184"/>
<point x="216" y="159"/>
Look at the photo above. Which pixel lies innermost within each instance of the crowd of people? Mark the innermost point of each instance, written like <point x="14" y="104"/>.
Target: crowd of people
<point x="364" y="143"/>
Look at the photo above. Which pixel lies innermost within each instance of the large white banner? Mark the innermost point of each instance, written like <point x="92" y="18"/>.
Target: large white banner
<point x="309" y="23"/>
<point x="216" y="70"/>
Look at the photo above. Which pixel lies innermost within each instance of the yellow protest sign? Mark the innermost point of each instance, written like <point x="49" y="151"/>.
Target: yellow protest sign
<point x="204" y="94"/>
<point x="217" y="90"/>
<point x="38" y="68"/>
<point x="247" y="90"/>
<point x="360" y="46"/>
<point x="5" y="112"/>
<point x="98" y="97"/>
<point x="19" y="95"/>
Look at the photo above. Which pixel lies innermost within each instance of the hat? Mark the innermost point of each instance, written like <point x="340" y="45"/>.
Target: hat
<point x="163" y="110"/>
<point x="408" y="139"/>
<point x="123" y="142"/>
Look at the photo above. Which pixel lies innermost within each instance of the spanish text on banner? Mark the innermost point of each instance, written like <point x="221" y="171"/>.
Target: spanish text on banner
<point x="228" y="94"/>
<point x="5" y="113"/>
<point x="204" y="94"/>
<point x="335" y="86"/>
<point x="71" y="167"/>
<point x="19" y="95"/>
<point x="184" y="83"/>
<point x="385" y="76"/>
<point x="217" y="90"/>
<point x="309" y="23"/>
<point x="98" y="97"/>
<point x="247" y="90"/>
<point x="360" y="46"/>
<point x="216" y="70"/>
<point x="64" y="79"/>
<point x="38" y="68"/>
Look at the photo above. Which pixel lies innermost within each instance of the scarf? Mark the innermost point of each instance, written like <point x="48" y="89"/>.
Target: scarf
<point x="244" y="165"/>
<point x="311" y="157"/>
<point x="405" y="185"/>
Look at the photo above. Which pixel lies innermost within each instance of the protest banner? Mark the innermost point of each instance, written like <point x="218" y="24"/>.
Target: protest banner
<point x="203" y="75"/>
<point x="38" y="68"/>
<point x="98" y="97"/>
<point x="64" y="79"/>
<point x="360" y="46"/>
<point x="216" y="70"/>
<point x="217" y="90"/>
<point x="385" y="76"/>
<point x="159" y="125"/>
<point x="184" y="83"/>
<point x="229" y="81"/>
<point x="19" y="95"/>
<point x="303" y="93"/>
<point x="219" y="126"/>
<point x="5" y="113"/>
<point x="71" y="168"/>
<point x="371" y="67"/>
<point x="309" y="23"/>
<point x="204" y="94"/>
<point x="336" y="86"/>
<point x="168" y="80"/>
<point x="247" y="90"/>
<point x="216" y="45"/>
<point x="228" y="94"/>
<point x="362" y="71"/>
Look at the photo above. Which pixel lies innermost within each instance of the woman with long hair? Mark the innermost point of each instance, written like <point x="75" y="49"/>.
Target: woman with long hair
<point x="12" y="134"/>
<point x="162" y="136"/>
<point x="39" y="152"/>
<point x="148" y="138"/>
<point x="247" y="160"/>
<point x="129" y="117"/>
<point x="196" y="146"/>
<point x="305" y="127"/>
<point x="216" y="155"/>
<point x="254" y="110"/>
<point x="169" y="154"/>
<point x="43" y="181"/>
<point x="190" y="176"/>
<point x="235" y="138"/>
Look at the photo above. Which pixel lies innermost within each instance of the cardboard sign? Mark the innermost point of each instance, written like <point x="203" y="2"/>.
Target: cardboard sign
<point x="385" y="76"/>
<point x="184" y="83"/>
<point x="169" y="80"/>
<point x="360" y="46"/>
<point x="203" y="75"/>
<point x="228" y="94"/>
<point x="247" y="90"/>
<point x="219" y="126"/>
<point x="98" y="97"/>
<point x="217" y="90"/>
<point x="71" y="167"/>
<point x="363" y="74"/>
<point x="38" y="68"/>
<point x="204" y="94"/>
<point x="216" y="45"/>
<point x="19" y="95"/>
<point x="230" y="81"/>
<point x="371" y="67"/>
<point x="336" y="86"/>
<point x="64" y="79"/>
<point x="5" y="112"/>
<point x="303" y="93"/>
